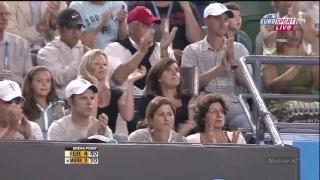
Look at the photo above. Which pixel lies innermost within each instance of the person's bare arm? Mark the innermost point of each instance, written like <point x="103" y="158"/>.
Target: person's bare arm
<point x="309" y="29"/>
<point x="122" y="72"/>
<point x="208" y="76"/>
<point x="269" y="36"/>
<point x="126" y="101"/>
<point x="189" y="59"/>
<point x="193" y="28"/>
<point x="122" y="19"/>
<point x="274" y="83"/>
<point x="8" y="134"/>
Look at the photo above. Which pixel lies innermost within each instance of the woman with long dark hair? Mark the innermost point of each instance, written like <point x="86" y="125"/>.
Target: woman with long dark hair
<point x="41" y="102"/>
<point x="164" y="80"/>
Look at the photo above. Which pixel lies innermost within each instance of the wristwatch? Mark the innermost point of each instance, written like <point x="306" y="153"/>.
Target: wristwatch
<point x="233" y="67"/>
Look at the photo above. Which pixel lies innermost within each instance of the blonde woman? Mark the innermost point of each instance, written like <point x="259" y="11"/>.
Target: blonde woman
<point x="110" y="100"/>
<point x="292" y="79"/>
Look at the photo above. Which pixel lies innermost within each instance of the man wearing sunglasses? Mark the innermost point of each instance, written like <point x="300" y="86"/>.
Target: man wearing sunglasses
<point x="13" y="124"/>
<point x="62" y="56"/>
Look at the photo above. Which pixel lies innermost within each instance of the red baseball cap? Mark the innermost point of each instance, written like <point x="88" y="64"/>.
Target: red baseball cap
<point x="143" y="15"/>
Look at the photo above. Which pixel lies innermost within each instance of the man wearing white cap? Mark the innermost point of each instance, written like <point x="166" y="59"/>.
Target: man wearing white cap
<point x="217" y="59"/>
<point x="79" y="124"/>
<point x="13" y="124"/>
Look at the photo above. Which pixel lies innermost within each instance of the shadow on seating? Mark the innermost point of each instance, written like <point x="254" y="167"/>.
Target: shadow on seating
<point x="34" y="59"/>
<point x="34" y="54"/>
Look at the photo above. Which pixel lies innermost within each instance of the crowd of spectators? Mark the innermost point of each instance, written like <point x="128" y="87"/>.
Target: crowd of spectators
<point x="68" y="70"/>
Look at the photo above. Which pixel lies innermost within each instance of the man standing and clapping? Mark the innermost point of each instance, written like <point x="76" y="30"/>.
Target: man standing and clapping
<point x="217" y="59"/>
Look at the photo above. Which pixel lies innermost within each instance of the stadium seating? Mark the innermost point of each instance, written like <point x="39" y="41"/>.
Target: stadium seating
<point x="247" y="39"/>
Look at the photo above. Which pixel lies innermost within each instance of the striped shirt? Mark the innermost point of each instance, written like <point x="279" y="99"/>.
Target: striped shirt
<point x="201" y="54"/>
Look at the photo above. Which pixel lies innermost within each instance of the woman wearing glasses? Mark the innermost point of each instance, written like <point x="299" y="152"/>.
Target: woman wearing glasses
<point x="210" y="119"/>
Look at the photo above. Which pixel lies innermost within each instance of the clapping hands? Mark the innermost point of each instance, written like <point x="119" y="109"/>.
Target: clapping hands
<point x="167" y="38"/>
<point x="235" y="136"/>
<point x="18" y="122"/>
<point x="99" y="127"/>
<point x="145" y="40"/>
<point x="228" y="56"/>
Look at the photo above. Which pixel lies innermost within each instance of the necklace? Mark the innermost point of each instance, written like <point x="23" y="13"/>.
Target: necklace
<point x="101" y="93"/>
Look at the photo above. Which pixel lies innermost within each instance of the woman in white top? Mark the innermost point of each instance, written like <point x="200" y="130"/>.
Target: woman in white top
<point x="210" y="119"/>
<point x="160" y="119"/>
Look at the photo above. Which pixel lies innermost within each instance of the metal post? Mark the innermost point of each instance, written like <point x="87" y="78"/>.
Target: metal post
<point x="268" y="119"/>
<point x="252" y="123"/>
<point x="256" y="75"/>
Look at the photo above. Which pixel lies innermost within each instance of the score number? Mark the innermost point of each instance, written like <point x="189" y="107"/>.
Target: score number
<point x="81" y="153"/>
<point x="91" y="160"/>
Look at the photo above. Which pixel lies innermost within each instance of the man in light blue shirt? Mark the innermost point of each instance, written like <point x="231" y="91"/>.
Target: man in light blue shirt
<point x="104" y="21"/>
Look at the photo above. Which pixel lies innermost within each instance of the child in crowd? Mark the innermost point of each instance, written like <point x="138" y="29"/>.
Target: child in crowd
<point x="41" y="102"/>
<point x="235" y="24"/>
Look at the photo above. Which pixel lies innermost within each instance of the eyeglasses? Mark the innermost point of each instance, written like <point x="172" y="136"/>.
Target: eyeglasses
<point x="7" y="14"/>
<point x="213" y="111"/>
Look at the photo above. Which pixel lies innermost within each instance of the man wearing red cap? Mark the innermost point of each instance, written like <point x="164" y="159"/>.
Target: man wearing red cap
<point x="181" y="14"/>
<point x="139" y="48"/>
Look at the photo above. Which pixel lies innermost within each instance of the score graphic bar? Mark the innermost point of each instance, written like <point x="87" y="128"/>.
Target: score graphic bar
<point x="81" y="155"/>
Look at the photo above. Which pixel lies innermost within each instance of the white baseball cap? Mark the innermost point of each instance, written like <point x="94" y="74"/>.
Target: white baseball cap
<point x="216" y="9"/>
<point x="78" y="86"/>
<point x="9" y="90"/>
